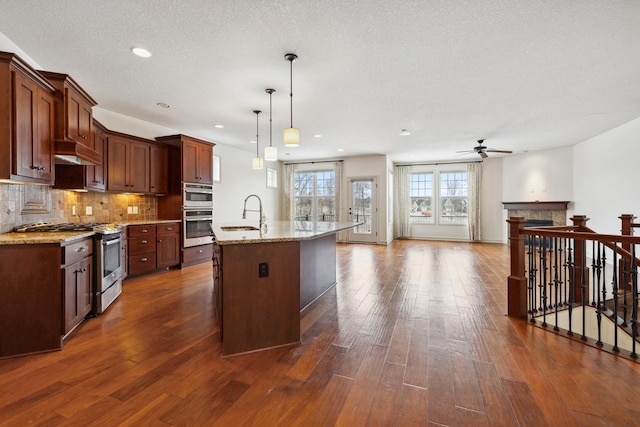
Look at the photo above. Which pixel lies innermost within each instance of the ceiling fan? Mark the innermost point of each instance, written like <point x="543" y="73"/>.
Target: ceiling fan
<point x="483" y="150"/>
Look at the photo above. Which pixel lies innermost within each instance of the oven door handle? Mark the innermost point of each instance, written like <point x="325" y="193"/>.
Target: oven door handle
<point x="200" y="218"/>
<point x="110" y="242"/>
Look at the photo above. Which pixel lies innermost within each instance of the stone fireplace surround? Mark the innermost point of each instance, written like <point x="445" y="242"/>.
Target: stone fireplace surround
<point x="554" y="211"/>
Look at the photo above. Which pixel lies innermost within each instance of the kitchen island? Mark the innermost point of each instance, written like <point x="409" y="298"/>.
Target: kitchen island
<point x="263" y="280"/>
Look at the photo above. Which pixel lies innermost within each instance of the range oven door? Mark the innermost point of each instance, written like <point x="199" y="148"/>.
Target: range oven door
<point x="198" y="227"/>
<point x="108" y="283"/>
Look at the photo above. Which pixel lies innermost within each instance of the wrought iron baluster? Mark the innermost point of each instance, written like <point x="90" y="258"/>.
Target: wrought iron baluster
<point x="532" y="277"/>
<point x="634" y="309"/>
<point x="593" y="272"/>
<point x="571" y="283"/>
<point x="556" y="281"/>
<point x="542" y="283"/>
<point x="622" y="288"/>
<point x="583" y="289"/>
<point x="596" y="285"/>
<point x="614" y="283"/>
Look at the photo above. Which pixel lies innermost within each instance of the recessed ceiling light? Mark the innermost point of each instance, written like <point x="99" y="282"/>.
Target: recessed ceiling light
<point x="340" y="149"/>
<point x="141" y="52"/>
<point x="404" y="132"/>
<point x="163" y="105"/>
<point x="317" y="135"/>
<point x="253" y="141"/>
<point x="218" y="126"/>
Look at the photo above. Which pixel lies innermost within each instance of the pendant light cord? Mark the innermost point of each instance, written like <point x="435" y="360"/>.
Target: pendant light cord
<point x="291" y="88"/>
<point x="257" y="144"/>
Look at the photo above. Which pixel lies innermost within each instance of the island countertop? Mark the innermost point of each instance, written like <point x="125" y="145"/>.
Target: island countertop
<point x="278" y="231"/>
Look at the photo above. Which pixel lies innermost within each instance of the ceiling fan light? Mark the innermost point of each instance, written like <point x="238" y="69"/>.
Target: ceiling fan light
<point x="292" y="137"/>
<point x="270" y="154"/>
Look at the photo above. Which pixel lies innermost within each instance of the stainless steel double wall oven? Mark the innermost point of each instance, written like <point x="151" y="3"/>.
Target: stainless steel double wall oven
<point x="197" y="214"/>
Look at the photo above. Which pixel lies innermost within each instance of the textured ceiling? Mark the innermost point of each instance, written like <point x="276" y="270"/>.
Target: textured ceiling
<point x="524" y="75"/>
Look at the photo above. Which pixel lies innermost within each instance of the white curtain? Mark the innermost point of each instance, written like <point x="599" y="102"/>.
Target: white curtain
<point x="337" y="170"/>
<point x="401" y="215"/>
<point x="289" y="170"/>
<point x="474" y="177"/>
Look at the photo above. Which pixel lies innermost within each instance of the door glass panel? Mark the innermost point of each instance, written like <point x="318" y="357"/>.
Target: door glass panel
<point x="361" y="191"/>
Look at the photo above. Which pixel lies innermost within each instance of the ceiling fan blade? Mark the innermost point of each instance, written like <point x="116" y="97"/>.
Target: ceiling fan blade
<point x="483" y="154"/>
<point x="466" y="151"/>
<point x="493" y="150"/>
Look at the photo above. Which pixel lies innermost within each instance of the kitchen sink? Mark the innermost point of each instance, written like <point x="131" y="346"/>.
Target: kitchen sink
<point x="239" y="228"/>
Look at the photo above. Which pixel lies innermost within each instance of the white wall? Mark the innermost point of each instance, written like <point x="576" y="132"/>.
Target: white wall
<point x="238" y="180"/>
<point x="605" y="176"/>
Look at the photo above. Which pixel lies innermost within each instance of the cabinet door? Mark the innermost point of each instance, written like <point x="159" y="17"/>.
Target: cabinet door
<point x="205" y="163"/>
<point x="94" y="177"/>
<point x="33" y="143"/>
<point x="79" y="118"/>
<point x="138" y="166"/>
<point x="117" y="158"/>
<point x="190" y="161"/>
<point x="77" y="292"/>
<point x="159" y="169"/>
<point x="167" y="250"/>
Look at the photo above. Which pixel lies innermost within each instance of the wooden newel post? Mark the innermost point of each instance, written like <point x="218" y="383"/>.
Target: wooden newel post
<point x="579" y="259"/>
<point x="517" y="282"/>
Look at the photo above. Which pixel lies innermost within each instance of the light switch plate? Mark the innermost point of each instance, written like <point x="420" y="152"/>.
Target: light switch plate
<point x="89" y="210"/>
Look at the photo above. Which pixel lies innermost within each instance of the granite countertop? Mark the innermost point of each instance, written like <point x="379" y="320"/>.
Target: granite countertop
<point x="277" y="231"/>
<point x="60" y="237"/>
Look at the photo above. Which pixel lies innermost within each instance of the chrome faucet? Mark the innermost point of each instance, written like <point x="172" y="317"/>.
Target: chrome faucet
<point x="262" y="218"/>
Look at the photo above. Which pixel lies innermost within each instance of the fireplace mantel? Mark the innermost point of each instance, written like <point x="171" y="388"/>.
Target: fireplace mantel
<point x="537" y="205"/>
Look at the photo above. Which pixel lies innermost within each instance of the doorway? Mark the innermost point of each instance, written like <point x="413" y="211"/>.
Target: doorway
<point x="363" y="208"/>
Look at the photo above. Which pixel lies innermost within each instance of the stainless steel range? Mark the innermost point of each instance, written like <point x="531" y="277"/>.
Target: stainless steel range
<point x="107" y="282"/>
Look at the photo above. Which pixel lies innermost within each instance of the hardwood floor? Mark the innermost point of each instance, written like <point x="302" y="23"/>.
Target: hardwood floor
<point x="415" y="333"/>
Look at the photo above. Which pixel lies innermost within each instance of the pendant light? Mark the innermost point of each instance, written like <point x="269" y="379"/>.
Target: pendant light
<point x="291" y="134"/>
<point x="257" y="160"/>
<point x="270" y="152"/>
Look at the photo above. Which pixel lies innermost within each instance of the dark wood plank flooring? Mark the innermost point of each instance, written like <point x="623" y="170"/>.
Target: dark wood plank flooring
<point x="415" y="333"/>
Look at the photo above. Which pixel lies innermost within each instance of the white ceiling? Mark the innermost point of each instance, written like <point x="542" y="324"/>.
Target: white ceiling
<point x="524" y="75"/>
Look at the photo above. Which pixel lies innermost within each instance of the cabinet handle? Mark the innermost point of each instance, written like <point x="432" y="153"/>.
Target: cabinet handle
<point x="81" y="249"/>
<point x="199" y="251"/>
<point x="169" y="228"/>
<point x="144" y="242"/>
<point x="143" y="260"/>
<point x="159" y="240"/>
<point x="144" y="230"/>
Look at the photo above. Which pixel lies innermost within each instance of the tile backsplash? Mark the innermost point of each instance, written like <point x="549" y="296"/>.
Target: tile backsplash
<point x="26" y="204"/>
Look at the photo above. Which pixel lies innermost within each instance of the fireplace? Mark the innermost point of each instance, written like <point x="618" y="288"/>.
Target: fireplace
<point x="539" y="213"/>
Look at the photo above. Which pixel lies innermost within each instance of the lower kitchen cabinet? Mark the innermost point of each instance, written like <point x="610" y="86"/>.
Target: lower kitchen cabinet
<point x="197" y="255"/>
<point x="153" y="247"/>
<point x="77" y="274"/>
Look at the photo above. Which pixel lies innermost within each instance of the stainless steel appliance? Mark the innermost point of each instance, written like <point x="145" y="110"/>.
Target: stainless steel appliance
<point x="197" y="195"/>
<point x="197" y="226"/>
<point x="108" y="255"/>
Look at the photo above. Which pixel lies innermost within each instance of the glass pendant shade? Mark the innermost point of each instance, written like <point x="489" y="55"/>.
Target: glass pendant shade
<point x="257" y="163"/>
<point x="292" y="137"/>
<point x="270" y="154"/>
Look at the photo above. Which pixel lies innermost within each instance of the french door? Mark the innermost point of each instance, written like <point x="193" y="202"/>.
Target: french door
<point x="363" y="209"/>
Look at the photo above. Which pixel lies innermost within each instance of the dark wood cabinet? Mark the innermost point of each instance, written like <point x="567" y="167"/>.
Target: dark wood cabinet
<point x="195" y="159"/>
<point x="77" y="274"/>
<point x="197" y="255"/>
<point x="158" y="169"/>
<point x="217" y="284"/>
<point x="153" y="247"/>
<point x="27" y="116"/>
<point x="85" y="177"/>
<point x="124" y="251"/>
<point x="128" y="165"/>
<point x="74" y="110"/>
<point x="167" y="245"/>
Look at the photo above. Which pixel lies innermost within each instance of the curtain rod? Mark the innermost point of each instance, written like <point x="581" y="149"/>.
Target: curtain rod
<point x="437" y="163"/>
<point x="320" y="161"/>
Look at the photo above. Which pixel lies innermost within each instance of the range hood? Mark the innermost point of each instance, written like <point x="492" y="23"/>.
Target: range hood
<point x="72" y="153"/>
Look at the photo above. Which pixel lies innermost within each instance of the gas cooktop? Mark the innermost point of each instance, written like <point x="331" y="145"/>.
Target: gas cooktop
<point x="98" y="227"/>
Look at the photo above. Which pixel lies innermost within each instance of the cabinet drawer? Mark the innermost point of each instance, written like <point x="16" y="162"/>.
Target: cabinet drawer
<point x="197" y="254"/>
<point x="76" y="251"/>
<point x="142" y="263"/>
<point x="141" y="230"/>
<point x="142" y="245"/>
<point x="168" y="228"/>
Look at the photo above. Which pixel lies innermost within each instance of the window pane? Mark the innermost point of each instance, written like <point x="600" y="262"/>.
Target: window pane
<point x="315" y="196"/>
<point x="453" y="197"/>
<point x="420" y="197"/>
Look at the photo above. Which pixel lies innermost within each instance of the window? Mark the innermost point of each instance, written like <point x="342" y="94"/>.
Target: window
<point x="453" y="197"/>
<point x="272" y="178"/>
<point x="420" y="196"/>
<point x="448" y="206"/>
<point x="315" y="196"/>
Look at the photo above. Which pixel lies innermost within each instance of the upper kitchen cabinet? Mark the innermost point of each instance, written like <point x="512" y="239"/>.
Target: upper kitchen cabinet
<point x="26" y="123"/>
<point x="196" y="158"/>
<point x="74" y="121"/>
<point x="85" y="177"/>
<point x="159" y="169"/>
<point x="128" y="164"/>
